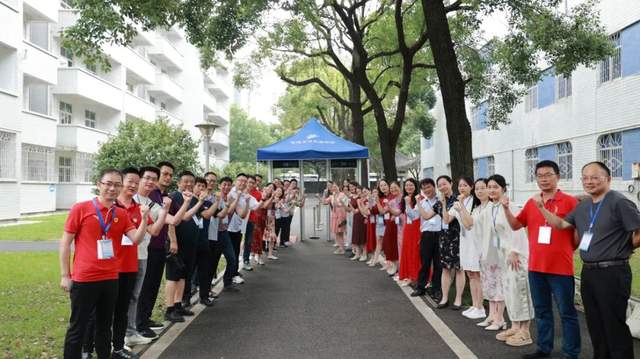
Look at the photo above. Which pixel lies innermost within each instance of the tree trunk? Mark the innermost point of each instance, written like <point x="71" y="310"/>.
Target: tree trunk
<point x="357" y="124"/>
<point x="452" y="88"/>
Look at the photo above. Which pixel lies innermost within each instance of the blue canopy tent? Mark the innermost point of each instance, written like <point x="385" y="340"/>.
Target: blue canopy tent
<point x="312" y="142"/>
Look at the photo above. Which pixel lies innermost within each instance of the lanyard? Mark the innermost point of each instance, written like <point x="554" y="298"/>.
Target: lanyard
<point x="594" y="215"/>
<point x="105" y="226"/>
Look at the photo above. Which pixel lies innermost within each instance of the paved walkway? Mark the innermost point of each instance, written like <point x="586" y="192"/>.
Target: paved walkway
<point x="313" y="304"/>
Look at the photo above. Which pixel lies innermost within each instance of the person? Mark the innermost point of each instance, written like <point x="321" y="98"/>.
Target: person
<point x="368" y="200"/>
<point x="468" y="216"/>
<point x="430" y="227"/>
<point x="449" y="244"/>
<point x="365" y="211"/>
<point x="608" y="230"/>
<point x="378" y="203"/>
<point x="351" y="195"/>
<point x="358" y="227"/>
<point x="391" y="212"/>
<point x="203" y="250"/>
<point x="550" y="263"/>
<point x="157" y="253"/>
<point x="239" y="219"/>
<point x="410" y="253"/>
<point x="254" y="192"/>
<point x="295" y="197"/>
<point x="181" y="263"/>
<point x="158" y="214"/>
<point x="324" y="200"/>
<point x="222" y="243"/>
<point x="260" y="222"/>
<point x="259" y="180"/>
<point x="338" y="202"/>
<point x="512" y="252"/>
<point x="96" y="228"/>
<point x="269" y="234"/>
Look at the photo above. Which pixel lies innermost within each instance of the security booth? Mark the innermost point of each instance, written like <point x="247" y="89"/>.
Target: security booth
<point x="313" y="155"/>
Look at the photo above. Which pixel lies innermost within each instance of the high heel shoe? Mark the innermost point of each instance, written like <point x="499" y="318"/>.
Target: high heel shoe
<point x="485" y="323"/>
<point x="497" y="326"/>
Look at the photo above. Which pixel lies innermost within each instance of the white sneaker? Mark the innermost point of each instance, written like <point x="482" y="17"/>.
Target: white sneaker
<point x="136" y="339"/>
<point x="261" y="260"/>
<point x="477" y="313"/>
<point x="273" y="257"/>
<point x="469" y="310"/>
<point x="238" y="280"/>
<point x="363" y="258"/>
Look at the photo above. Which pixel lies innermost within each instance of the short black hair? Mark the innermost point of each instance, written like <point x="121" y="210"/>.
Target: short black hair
<point x="257" y="175"/>
<point x="167" y="164"/>
<point x="599" y="164"/>
<point x="427" y="181"/>
<point x="129" y="170"/>
<point x="186" y="173"/>
<point x="210" y="173"/>
<point x="251" y="177"/>
<point x="225" y="179"/>
<point x="548" y="164"/>
<point x="109" y="170"/>
<point x="201" y="180"/>
<point x="153" y="169"/>
<point x="241" y="174"/>
<point x="293" y="180"/>
<point x="445" y="177"/>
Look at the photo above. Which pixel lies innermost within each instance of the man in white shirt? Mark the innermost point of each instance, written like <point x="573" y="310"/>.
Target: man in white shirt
<point x="239" y="219"/>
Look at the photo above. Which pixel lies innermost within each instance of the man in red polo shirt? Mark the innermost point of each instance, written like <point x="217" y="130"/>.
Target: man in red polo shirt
<point x="254" y="191"/>
<point x="97" y="228"/>
<point x="550" y="263"/>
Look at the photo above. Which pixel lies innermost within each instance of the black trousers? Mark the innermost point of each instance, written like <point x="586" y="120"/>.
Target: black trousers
<point x="283" y="229"/>
<point x="87" y="297"/>
<point x="150" y="286"/>
<point x="430" y="255"/>
<point x="236" y="239"/>
<point x="605" y="294"/>
<point x="187" y="250"/>
<point x="203" y="267"/>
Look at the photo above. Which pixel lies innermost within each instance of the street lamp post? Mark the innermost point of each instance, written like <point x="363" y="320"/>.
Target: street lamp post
<point x="207" y="129"/>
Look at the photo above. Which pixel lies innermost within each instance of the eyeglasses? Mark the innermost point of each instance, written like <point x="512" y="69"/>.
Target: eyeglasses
<point x="111" y="184"/>
<point x="149" y="178"/>
<point x="545" y="175"/>
<point x="593" y="178"/>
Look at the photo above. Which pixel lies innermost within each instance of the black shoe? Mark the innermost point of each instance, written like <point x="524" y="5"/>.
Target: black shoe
<point x="148" y="333"/>
<point x="124" y="354"/>
<point x="537" y="354"/>
<point x="442" y="305"/>
<point x="185" y="312"/>
<point x="186" y="304"/>
<point x="155" y="326"/>
<point x="437" y="296"/>
<point x="206" y="302"/>
<point x="231" y="289"/>
<point x="456" y="307"/>
<point x="418" y="293"/>
<point x="174" y="317"/>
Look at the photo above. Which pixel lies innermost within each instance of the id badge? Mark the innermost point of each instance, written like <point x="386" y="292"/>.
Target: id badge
<point x="387" y="216"/>
<point x="544" y="235"/>
<point x="397" y="220"/>
<point x="380" y="220"/>
<point x="372" y="219"/>
<point x="409" y="220"/>
<point x="126" y="241"/>
<point x="105" y="249"/>
<point x="585" y="241"/>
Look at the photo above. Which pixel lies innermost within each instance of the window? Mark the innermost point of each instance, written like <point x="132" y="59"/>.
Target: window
<point x="610" y="152"/>
<point x="531" y="100"/>
<point x="564" y="86"/>
<point x="491" y="166"/>
<point x="152" y="100"/>
<point x="91" y="68"/>
<point x="479" y="116"/>
<point x="67" y="55"/>
<point x="37" y="163"/>
<point x="90" y="119"/>
<point x="483" y="167"/>
<point x="84" y="167"/>
<point x="38" y="32"/>
<point x="428" y="142"/>
<point x="7" y="155"/>
<point x="38" y="98"/>
<point x="476" y="168"/>
<point x="565" y="160"/>
<point x="427" y="172"/>
<point x="66" y="113"/>
<point x="531" y="159"/>
<point x="130" y="87"/>
<point x="64" y="169"/>
<point x="163" y="105"/>
<point x="610" y="68"/>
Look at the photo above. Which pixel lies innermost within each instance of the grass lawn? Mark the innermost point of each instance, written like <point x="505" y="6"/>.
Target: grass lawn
<point x="47" y="228"/>
<point x="635" y="271"/>
<point x="34" y="311"/>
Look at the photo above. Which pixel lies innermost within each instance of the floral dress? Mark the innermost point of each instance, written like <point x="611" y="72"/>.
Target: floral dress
<point x="269" y="232"/>
<point x="339" y="204"/>
<point x="449" y="243"/>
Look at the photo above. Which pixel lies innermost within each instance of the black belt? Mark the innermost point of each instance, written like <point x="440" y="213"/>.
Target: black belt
<point x="605" y="264"/>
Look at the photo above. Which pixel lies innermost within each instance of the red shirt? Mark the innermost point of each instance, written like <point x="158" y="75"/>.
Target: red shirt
<point x="557" y="257"/>
<point x="255" y="193"/>
<point x="83" y="222"/>
<point x="128" y="257"/>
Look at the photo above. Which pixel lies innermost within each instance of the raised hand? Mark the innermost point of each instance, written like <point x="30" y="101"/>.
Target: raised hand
<point x="461" y="197"/>
<point x="187" y="196"/>
<point x="144" y="210"/>
<point x="457" y="206"/>
<point x="504" y="200"/>
<point x="202" y="196"/>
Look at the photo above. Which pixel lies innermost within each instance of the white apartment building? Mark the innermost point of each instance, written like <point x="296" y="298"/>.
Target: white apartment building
<point x="592" y="115"/>
<point x="55" y="110"/>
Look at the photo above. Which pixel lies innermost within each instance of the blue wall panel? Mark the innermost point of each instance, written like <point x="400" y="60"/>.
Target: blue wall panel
<point x="547" y="153"/>
<point x="630" y="41"/>
<point x="547" y="90"/>
<point x="482" y="167"/>
<point x="630" y="151"/>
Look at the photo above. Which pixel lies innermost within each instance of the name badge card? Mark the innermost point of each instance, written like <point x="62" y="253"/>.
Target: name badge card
<point x="585" y="241"/>
<point x="387" y="216"/>
<point x="380" y="220"/>
<point x="372" y="219"/>
<point x="544" y="235"/>
<point x="409" y="220"/>
<point x="105" y="249"/>
<point x="397" y="220"/>
<point x="126" y="241"/>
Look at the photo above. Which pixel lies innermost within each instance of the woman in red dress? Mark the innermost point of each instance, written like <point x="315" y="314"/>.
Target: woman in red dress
<point x="410" y="255"/>
<point x="371" y="220"/>
<point x="391" y="212"/>
<point x="378" y="210"/>
<point x="358" y="226"/>
<point x="261" y="222"/>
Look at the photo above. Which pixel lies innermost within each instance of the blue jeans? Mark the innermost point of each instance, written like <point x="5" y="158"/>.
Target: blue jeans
<point x="248" y="238"/>
<point x="230" y="257"/>
<point x="562" y="287"/>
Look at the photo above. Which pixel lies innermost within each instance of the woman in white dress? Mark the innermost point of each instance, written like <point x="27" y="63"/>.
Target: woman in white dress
<point x="473" y="199"/>
<point x="512" y="251"/>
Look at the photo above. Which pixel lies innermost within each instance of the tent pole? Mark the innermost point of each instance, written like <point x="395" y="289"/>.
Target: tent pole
<point x="359" y="171"/>
<point x="270" y="171"/>
<point x="301" y="207"/>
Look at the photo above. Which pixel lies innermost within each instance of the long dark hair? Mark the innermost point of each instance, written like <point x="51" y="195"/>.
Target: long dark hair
<point x="412" y="197"/>
<point x="380" y="193"/>
<point x="469" y="181"/>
